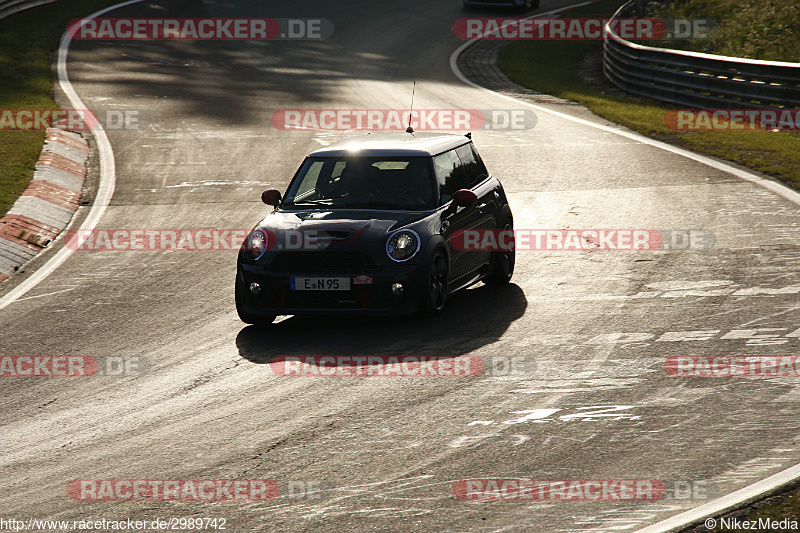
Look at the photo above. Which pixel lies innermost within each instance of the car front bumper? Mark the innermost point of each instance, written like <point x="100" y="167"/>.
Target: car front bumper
<point x="373" y="298"/>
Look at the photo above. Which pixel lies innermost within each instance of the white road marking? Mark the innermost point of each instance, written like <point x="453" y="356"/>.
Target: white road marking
<point x="105" y="189"/>
<point x="464" y="440"/>
<point x="729" y="501"/>
<point x="211" y="183"/>
<point x="583" y="414"/>
<point x="730" y="290"/>
<point x="773" y="315"/>
<point x="45" y="295"/>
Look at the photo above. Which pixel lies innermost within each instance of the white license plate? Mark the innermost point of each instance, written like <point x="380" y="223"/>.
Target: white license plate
<point x="319" y="284"/>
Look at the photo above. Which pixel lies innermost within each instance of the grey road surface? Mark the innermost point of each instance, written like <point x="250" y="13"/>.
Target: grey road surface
<point x="594" y="329"/>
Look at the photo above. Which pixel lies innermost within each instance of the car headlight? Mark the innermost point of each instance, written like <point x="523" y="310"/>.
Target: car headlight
<point x="256" y="244"/>
<point x="402" y="245"/>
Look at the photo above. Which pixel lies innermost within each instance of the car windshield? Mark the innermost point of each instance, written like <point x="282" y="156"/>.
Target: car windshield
<point x="364" y="183"/>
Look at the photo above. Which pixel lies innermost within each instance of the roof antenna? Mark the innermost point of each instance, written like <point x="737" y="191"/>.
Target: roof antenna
<point x="409" y="129"/>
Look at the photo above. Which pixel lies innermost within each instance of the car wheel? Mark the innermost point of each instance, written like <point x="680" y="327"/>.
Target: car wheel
<point x="535" y="4"/>
<point x="435" y="293"/>
<point x="524" y="7"/>
<point x="249" y="318"/>
<point x="502" y="267"/>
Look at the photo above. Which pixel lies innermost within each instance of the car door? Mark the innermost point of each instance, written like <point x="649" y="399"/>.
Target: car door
<point x="451" y="177"/>
<point x="487" y="206"/>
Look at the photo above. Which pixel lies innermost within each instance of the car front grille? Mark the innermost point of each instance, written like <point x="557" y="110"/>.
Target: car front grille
<point x="301" y="262"/>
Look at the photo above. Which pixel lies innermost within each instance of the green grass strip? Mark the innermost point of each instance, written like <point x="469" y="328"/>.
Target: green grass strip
<point x="28" y="43"/>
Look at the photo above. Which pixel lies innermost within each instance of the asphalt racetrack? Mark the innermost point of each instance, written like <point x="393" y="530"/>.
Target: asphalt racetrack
<point x="591" y="396"/>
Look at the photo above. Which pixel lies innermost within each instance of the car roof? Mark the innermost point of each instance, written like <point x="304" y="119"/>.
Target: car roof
<point x="393" y="144"/>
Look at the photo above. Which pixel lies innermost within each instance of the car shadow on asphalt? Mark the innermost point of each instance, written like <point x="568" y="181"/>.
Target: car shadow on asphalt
<point x="473" y="319"/>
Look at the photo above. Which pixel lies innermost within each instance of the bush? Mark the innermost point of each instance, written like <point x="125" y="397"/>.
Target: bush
<point x="756" y="29"/>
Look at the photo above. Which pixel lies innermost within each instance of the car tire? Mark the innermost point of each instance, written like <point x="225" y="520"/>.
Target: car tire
<point x="502" y="266"/>
<point x="535" y="4"/>
<point x="434" y="295"/>
<point x="249" y="318"/>
<point x="525" y="7"/>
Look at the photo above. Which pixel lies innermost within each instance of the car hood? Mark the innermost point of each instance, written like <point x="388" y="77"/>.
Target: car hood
<point x="351" y="231"/>
<point x="355" y="220"/>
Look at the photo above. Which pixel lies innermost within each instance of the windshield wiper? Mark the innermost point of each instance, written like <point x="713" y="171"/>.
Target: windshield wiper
<point x="311" y="202"/>
<point x="379" y="205"/>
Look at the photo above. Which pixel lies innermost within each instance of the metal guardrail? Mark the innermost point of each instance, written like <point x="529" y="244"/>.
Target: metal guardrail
<point x="11" y="7"/>
<point x="697" y="80"/>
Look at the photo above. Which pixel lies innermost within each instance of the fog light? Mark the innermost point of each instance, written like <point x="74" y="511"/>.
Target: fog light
<point x="255" y="289"/>
<point x="397" y="289"/>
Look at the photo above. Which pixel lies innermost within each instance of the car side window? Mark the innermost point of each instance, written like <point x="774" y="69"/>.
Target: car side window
<point x="308" y="185"/>
<point x="474" y="168"/>
<point x="338" y="168"/>
<point x="449" y="174"/>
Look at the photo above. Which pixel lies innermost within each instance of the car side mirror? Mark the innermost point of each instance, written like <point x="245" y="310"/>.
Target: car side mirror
<point x="465" y="198"/>
<point x="271" y="197"/>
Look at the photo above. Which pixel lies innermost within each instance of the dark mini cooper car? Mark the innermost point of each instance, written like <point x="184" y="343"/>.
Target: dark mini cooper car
<point x="365" y="227"/>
